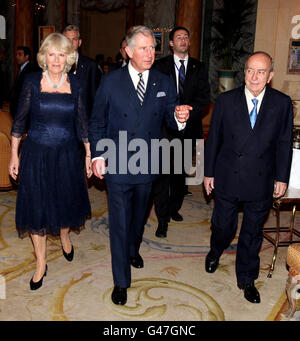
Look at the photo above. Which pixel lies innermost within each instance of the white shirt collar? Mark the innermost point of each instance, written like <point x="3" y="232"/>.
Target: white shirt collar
<point x="177" y="60"/>
<point x="23" y="65"/>
<point x="249" y="98"/>
<point x="134" y="74"/>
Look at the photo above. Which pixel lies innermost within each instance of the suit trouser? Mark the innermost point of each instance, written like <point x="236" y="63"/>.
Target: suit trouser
<point x="224" y="226"/>
<point x="168" y="192"/>
<point x="127" y="206"/>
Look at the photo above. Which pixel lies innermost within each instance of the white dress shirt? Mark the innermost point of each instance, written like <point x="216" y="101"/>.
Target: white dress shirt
<point x="177" y="65"/>
<point x="249" y="98"/>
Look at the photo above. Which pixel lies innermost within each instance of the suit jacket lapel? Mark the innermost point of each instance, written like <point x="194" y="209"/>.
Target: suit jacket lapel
<point x="242" y="118"/>
<point x="264" y="110"/>
<point x="128" y="88"/>
<point x="189" y="70"/>
<point x="151" y="87"/>
<point x="172" y="69"/>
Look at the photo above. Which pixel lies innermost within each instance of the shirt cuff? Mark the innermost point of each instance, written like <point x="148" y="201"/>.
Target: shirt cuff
<point x="97" y="158"/>
<point x="180" y="125"/>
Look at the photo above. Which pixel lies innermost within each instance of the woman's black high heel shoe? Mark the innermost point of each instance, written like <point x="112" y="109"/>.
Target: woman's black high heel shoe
<point x="68" y="256"/>
<point x="37" y="285"/>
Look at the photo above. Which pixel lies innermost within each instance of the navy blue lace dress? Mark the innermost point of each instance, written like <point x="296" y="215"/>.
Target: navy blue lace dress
<point x="52" y="193"/>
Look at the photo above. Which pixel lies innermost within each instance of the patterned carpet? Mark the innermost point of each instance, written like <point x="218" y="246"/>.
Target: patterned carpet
<point x="172" y="286"/>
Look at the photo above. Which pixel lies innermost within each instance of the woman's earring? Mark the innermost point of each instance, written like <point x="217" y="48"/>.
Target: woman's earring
<point x="45" y="66"/>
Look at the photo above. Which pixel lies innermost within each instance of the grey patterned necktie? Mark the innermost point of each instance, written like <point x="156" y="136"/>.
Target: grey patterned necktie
<point x="141" y="88"/>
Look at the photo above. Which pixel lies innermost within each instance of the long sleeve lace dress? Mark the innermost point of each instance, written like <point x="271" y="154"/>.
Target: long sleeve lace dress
<point x="52" y="193"/>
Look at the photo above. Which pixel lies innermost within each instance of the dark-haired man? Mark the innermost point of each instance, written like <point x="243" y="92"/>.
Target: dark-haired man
<point x="23" y="55"/>
<point x="191" y="80"/>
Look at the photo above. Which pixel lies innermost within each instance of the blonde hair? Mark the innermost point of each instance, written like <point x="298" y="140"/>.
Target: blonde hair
<point x="59" y="42"/>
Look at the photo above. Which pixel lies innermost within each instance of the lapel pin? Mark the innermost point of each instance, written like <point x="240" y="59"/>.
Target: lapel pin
<point x="154" y="84"/>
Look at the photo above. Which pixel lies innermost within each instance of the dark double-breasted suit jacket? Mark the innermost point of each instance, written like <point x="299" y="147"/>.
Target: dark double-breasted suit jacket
<point x="116" y="111"/>
<point x="196" y="93"/>
<point x="245" y="161"/>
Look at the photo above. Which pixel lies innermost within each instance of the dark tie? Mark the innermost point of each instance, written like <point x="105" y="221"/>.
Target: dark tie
<point x="253" y="113"/>
<point x="181" y="78"/>
<point x="141" y="88"/>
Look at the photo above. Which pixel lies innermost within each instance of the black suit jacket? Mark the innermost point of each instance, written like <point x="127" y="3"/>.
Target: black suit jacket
<point x="245" y="161"/>
<point x="17" y="87"/>
<point x="89" y="75"/>
<point x="196" y="93"/>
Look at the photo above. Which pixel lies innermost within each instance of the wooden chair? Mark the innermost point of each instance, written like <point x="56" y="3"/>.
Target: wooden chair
<point x="5" y="149"/>
<point x="293" y="281"/>
<point x="291" y="198"/>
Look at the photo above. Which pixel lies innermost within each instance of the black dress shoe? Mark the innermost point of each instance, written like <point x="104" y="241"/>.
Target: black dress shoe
<point x="119" y="295"/>
<point x="137" y="261"/>
<point x="250" y="292"/>
<point x="69" y="256"/>
<point x="37" y="285"/>
<point x="211" y="263"/>
<point x="188" y="193"/>
<point x="177" y="217"/>
<point x="161" y="231"/>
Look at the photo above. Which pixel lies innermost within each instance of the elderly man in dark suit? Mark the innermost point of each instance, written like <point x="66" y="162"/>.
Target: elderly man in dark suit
<point x="23" y="55"/>
<point x="191" y="80"/>
<point x="247" y="161"/>
<point x="130" y="105"/>
<point x="85" y="68"/>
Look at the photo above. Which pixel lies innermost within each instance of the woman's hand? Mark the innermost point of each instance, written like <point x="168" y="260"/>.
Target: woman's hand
<point x="13" y="167"/>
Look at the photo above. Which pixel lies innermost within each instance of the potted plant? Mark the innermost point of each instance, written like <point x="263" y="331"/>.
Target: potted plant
<point x="231" y="38"/>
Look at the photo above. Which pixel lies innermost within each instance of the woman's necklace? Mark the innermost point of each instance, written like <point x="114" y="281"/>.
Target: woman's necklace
<point x="55" y="86"/>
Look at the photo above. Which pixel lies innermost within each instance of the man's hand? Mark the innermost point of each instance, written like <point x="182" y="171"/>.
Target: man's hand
<point x="182" y="112"/>
<point x="98" y="168"/>
<point x="209" y="184"/>
<point x="280" y="188"/>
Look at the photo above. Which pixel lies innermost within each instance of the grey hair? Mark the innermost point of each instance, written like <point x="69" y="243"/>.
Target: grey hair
<point x="134" y="31"/>
<point x="265" y="54"/>
<point x="72" y="28"/>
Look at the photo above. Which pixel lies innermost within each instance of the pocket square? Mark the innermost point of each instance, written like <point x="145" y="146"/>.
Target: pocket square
<point x="161" y="94"/>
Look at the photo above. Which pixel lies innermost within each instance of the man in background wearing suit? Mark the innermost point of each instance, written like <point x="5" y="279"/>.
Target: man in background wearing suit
<point x="124" y="58"/>
<point x="247" y="162"/>
<point x="23" y="55"/>
<point x="191" y="80"/>
<point x="85" y="68"/>
<point x="132" y="100"/>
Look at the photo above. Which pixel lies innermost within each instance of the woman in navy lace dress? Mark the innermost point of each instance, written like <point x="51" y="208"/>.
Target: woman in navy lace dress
<point x="52" y="195"/>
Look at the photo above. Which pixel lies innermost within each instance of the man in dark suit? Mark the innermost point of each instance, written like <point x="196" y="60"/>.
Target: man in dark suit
<point x="247" y="162"/>
<point x="85" y="68"/>
<point x="130" y="105"/>
<point x="23" y="55"/>
<point x="191" y="80"/>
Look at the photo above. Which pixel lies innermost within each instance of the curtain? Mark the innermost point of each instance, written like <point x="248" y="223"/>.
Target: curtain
<point x="108" y="5"/>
